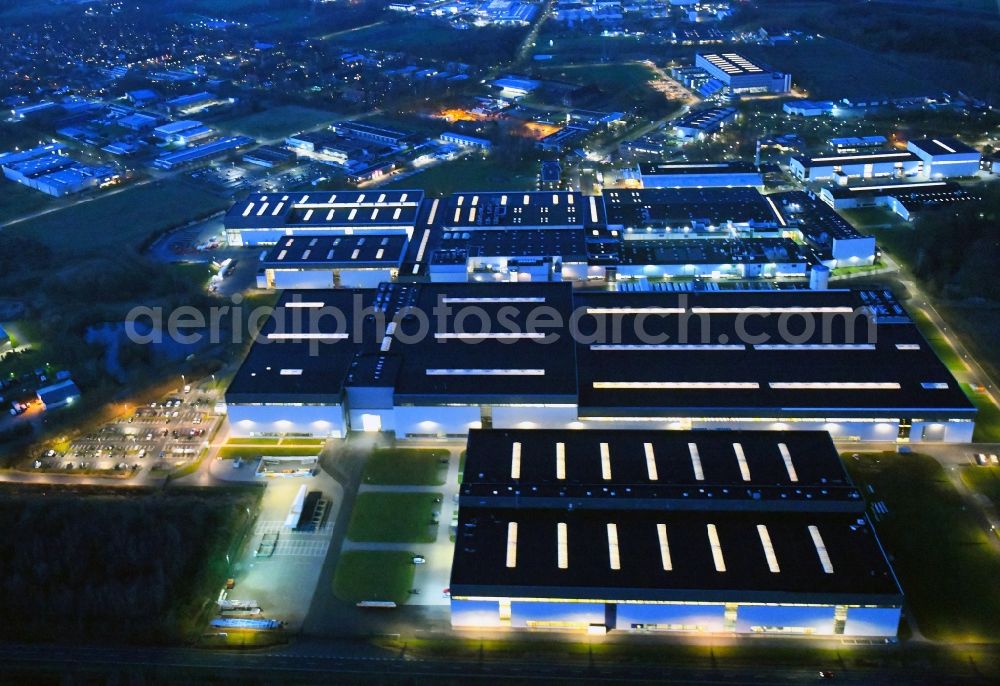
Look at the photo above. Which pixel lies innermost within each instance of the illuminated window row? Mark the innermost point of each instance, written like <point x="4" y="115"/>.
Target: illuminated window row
<point x="675" y="385"/>
<point x="279" y="336"/>
<point x="507" y="299"/>
<point x="485" y="372"/>
<point x="500" y="336"/>
<point x="815" y="346"/>
<point x="834" y="385"/>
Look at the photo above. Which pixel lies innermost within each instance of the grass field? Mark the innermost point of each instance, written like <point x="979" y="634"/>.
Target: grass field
<point x="121" y="220"/>
<point x="471" y="173"/>
<point x="829" y="68"/>
<point x="374" y="575"/>
<point x="277" y="122"/>
<point x="195" y="272"/>
<point x="979" y="327"/>
<point x="394" y="518"/>
<point x="407" y="466"/>
<point x="249" y="452"/>
<point x="985" y="480"/>
<point x="866" y="218"/>
<point x="318" y="442"/>
<point x="402" y="36"/>
<point x="988" y="418"/>
<point x="625" y="80"/>
<point x="939" y="550"/>
<point x="17" y="200"/>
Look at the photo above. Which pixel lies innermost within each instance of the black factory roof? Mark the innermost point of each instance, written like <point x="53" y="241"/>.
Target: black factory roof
<point x="727" y="353"/>
<point x="670" y="555"/>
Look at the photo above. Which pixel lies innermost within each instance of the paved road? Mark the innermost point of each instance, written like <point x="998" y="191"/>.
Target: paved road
<point x="310" y="658"/>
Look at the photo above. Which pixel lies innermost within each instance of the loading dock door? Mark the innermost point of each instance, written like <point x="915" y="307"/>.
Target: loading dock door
<point x="933" y="433"/>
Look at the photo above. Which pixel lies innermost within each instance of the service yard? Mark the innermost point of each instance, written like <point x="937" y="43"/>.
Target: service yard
<point x="280" y="567"/>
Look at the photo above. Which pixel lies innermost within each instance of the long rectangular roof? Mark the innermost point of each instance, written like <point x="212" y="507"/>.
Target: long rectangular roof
<point x="719" y="251"/>
<point x="299" y="355"/>
<point x="678" y="207"/>
<point x="514" y="209"/>
<point x="326" y="209"/>
<point x="696" y="168"/>
<point x="840" y="159"/>
<point x="471" y="353"/>
<point x="732" y="63"/>
<point x="704" y="470"/>
<point x="719" y="351"/>
<point x="670" y="555"/>
<point x="735" y="353"/>
<point x="817" y="221"/>
<point x="941" y="146"/>
<point x="293" y="252"/>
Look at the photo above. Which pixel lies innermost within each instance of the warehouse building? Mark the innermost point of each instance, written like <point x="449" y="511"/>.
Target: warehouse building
<point x="349" y="261"/>
<point x="741" y="75"/>
<point x="690" y="212"/>
<point x="865" y="165"/>
<point x="747" y="532"/>
<point x="809" y="108"/>
<point x="743" y="258"/>
<point x="49" y="169"/>
<point x="504" y="236"/>
<point x="698" y="124"/>
<point x="946" y="157"/>
<point x="654" y="360"/>
<point x="463" y="141"/>
<point x="367" y="132"/>
<point x="837" y="242"/>
<point x="263" y="218"/>
<point x="699" y="175"/>
<point x="200" y="153"/>
<point x="904" y="199"/>
<point x="851" y="144"/>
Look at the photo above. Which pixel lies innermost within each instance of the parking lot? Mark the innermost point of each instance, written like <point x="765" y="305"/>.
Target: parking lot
<point x="155" y="438"/>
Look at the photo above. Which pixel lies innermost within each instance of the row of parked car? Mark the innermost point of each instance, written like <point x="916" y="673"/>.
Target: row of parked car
<point x="984" y="459"/>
